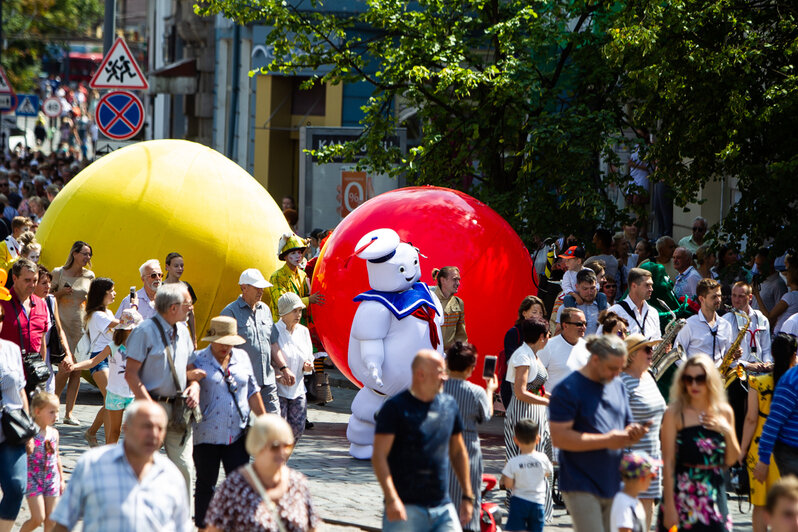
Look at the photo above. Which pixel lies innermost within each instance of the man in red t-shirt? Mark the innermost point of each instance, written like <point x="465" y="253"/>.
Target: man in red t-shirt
<point x="25" y="317"/>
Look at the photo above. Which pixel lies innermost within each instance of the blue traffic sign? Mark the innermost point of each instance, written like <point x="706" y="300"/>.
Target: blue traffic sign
<point x="120" y="115"/>
<point x="28" y="105"/>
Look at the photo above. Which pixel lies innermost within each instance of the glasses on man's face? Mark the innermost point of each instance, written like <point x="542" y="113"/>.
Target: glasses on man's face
<point x="698" y="379"/>
<point x="3" y="185"/>
<point x="156" y="275"/>
<point x="579" y="324"/>
<point x="699" y="229"/>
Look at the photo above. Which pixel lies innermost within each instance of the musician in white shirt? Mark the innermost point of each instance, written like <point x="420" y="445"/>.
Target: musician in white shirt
<point x="642" y="318"/>
<point x="756" y="343"/>
<point x="706" y="333"/>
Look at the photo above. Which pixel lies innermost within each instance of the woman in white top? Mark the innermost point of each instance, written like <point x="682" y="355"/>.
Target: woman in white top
<point x="294" y="341"/>
<point x="100" y="323"/>
<point x="786" y="306"/>
<point x="530" y="399"/>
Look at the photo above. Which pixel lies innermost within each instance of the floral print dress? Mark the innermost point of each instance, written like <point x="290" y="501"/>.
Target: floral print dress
<point x="43" y="476"/>
<point x="699" y="487"/>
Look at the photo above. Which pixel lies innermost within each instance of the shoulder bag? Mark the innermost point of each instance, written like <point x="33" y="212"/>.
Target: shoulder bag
<point x="36" y="371"/>
<point x="54" y="345"/>
<point x="18" y="426"/>
<point x="181" y="413"/>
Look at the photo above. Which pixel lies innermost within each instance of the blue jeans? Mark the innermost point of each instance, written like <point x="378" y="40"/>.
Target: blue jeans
<point x="525" y="515"/>
<point x="13" y="477"/>
<point x="423" y="519"/>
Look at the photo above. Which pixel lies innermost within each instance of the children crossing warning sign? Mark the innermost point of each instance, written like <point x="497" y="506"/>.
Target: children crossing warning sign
<point x="119" y="70"/>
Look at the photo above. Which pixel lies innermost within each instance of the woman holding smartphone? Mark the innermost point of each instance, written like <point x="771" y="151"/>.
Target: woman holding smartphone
<point x="648" y="407"/>
<point x="530" y="400"/>
<point x="475" y="407"/>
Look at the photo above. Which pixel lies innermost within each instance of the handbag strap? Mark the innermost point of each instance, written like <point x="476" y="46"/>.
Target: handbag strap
<point x="19" y="327"/>
<point x="235" y="400"/>
<point x="265" y="496"/>
<point x="169" y="357"/>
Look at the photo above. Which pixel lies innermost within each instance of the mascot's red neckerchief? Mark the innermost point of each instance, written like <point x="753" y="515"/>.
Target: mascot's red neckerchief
<point x="416" y="301"/>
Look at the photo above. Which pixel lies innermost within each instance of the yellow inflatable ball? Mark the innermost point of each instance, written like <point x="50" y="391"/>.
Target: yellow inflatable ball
<point x="151" y="198"/>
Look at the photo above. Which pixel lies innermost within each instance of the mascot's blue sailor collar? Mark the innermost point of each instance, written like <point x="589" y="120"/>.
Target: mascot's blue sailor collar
<point x="401" y="304"/>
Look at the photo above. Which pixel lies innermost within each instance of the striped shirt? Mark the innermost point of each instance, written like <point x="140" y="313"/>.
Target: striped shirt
<point x="782" y="422"/>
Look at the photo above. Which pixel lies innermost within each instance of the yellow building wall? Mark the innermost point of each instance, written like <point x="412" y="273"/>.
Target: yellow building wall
<point x="276" y="157"/>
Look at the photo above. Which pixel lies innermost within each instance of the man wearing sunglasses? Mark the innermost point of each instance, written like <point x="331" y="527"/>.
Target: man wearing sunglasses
<point x="144" y="301"/>
<point x="696" y="239"/>
<point x="566" y="352"/>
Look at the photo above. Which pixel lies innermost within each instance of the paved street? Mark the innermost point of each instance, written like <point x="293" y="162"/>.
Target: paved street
<point x="345" y="491"/>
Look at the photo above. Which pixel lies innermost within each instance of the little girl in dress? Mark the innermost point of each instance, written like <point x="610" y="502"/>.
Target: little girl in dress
<point x="45" y="474"/>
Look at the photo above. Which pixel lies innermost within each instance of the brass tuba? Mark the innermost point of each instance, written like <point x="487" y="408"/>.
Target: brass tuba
<point x="728" y="371"/>
<point x="661" y="360"/>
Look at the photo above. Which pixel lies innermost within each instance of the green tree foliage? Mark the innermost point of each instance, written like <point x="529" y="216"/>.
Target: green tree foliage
<point x="516" y="101"/>
<point x="29" y="25"/>
<point x="716" y="81"/>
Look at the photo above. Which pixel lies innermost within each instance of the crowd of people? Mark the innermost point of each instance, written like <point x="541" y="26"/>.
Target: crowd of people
<point x="633" y="396"/>
<point x="158" y="390"/>
<point x="627" y="396"/>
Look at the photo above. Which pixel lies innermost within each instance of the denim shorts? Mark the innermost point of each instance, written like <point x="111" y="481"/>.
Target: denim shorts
<point x="101" y="365"/>
<point x="116" y="402"/>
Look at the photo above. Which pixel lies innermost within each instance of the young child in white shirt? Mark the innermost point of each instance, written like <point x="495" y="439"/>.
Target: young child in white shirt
<point x="525" y="475"/>
<point x="574" y="256"/>
<point x="627" y="513"/>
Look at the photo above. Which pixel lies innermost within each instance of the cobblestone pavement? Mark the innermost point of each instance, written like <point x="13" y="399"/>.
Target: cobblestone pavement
<point x="345" y="491"/>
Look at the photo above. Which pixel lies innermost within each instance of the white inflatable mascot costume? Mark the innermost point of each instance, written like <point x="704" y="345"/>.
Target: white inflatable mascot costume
<point x="395" y="319"/>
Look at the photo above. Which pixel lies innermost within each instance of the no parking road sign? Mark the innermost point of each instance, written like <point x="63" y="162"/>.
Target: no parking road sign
<point x="120" y="115"/>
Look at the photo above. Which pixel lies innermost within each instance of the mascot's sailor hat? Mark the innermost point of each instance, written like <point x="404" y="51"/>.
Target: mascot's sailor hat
<point x="378" y="245"/>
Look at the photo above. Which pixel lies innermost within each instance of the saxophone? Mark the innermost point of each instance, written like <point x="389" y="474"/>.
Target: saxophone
<point x="661" y="360"/>
<point x="727" y="370"/>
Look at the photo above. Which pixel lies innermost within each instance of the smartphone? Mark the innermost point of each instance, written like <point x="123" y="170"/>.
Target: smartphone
<point x="489" y="369"/>
<point x="132" y="291"/>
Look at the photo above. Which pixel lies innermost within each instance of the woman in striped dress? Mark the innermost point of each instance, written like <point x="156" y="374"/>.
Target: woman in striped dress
<point x="529" y="399"/>
<point x="647" y="404"/>
<point x="461" y="359"/>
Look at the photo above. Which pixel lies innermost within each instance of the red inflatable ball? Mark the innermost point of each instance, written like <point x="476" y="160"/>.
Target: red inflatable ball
<point x="449" y="228"/>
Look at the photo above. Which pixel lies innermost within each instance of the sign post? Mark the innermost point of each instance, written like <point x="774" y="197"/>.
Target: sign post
<point x="120" y="114"/>
<point x="28" y="106"/>
<point x="8" y="98"/>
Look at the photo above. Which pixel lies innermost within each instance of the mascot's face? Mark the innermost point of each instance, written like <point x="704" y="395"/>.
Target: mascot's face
<point x="398" y="273"/>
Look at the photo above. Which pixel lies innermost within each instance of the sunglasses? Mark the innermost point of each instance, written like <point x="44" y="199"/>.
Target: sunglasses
<point x="622" y="334"/>
<point x="232" y="385"/>
<point x="278" y="445"/>
<point x="698" y="379"/>
<point x="577" y="323"/>
<point x="699" y="229"/>
<point x="156" y="275"/>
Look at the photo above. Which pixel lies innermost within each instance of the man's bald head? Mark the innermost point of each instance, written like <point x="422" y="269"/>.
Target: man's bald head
<point x="429" y="374"/>
<point x="424" y="358"/>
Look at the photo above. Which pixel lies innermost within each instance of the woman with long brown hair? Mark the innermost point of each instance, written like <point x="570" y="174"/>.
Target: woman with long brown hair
<point x="70" y="287"/>
<point x="698" y="444"/>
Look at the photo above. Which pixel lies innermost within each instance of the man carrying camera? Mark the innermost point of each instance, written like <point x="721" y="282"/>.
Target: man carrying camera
<point x="25" y="320"/>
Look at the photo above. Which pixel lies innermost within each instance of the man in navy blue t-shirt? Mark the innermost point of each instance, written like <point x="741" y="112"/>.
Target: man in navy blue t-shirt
<point x="418" y="432"/>
<point x="591" y="425"/>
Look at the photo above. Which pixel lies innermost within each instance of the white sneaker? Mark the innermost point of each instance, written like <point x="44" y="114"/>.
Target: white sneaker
<point x="71" y="421"/>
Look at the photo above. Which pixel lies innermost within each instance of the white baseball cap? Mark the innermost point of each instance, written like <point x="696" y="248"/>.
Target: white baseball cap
<point x="252" y="276"/>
